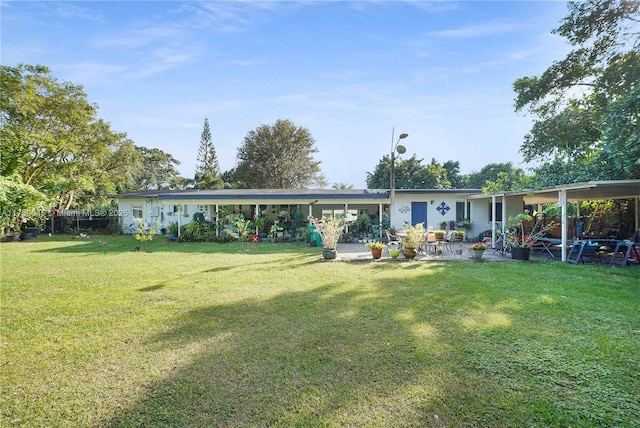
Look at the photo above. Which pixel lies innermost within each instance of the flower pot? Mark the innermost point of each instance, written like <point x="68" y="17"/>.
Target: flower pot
<point x="376" y="253"/>
<point x="329" y="253"/>
<point x="394" y="253"/>
<point x="409" y="253"/>
<point x="476" y="255"/>
<point x="520" y="253"/>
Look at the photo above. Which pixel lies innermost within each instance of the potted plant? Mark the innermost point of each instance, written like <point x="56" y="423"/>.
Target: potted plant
<point x="439" y="235"/>
<point x="376" y="249"/>
<point x="465" y="224"/>
<point x="519" y="240"/>
<point x="261" y="223"/>
<point x="172" y="230"/>
<point x="443" y="225"/>
<point x="274" y="231"/>
<point x="477" y="250"/>
<point x="411" y="238"/>
<point x="329" y="229"/>
<point x="394" y="253"/>
<point x="458" y="235"/>
<point x="242" y="227"/>
<point x="363" y="225"/>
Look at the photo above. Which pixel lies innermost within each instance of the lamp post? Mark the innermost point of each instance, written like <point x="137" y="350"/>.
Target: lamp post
<point x="400" y="149"/>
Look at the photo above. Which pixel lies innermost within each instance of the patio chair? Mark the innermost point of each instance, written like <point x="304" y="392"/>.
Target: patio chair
<point x="448" y="241"/>
<point x="430" y="241"/>
<point x="500" y="247"/>
<point x="392" y="241"/>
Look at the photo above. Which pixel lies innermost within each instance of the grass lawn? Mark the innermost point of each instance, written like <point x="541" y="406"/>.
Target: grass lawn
<point x="269" y="335"/>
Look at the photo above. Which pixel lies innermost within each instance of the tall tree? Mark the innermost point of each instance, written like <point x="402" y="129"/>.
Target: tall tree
<point x="207" y="169"/>
<point x="453" y="174"/>
<point x="279" y="156"/>
<point x="505" y="181"/>
<point x="158" y="171"/>
<point x="491" y="172"/>
<point x="410" y="174"/>
<point x="52" y="139"/>
<point x="588" y="104"/>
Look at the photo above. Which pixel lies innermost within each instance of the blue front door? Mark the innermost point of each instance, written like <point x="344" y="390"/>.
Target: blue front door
<point x="418" y="213"/>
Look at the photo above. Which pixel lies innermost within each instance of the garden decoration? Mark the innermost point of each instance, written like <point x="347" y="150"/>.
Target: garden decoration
<point x="520" y="241"/>
<point x="376" y="249"/>
<point x="477" y="250"/>
<point x="411" y="239"/>
<point x="329" y="229"/>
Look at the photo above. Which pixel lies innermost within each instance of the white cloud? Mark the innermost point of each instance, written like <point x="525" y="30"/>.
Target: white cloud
<point x="72" y="10"/>
<point x="477" y="30"/>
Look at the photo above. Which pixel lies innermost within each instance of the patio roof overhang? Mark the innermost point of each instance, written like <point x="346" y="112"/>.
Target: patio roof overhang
<point x="587" y="191"/>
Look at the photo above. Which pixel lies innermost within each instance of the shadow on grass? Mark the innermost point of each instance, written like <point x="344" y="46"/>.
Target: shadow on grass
<point x="121" y="244"/>
<point x="152" y="288"/>
<point x="439" y="346"/>
<point x="348" y="356"/>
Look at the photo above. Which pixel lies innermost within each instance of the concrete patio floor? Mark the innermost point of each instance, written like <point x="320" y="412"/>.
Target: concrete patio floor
<point x="356" y="251"/>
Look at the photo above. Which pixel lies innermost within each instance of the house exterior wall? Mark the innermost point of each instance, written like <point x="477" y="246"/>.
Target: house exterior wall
<point x="164" y="211"/>
<point x="162" y="208"/>
<point x="481" y="212"/>
<point x="440" y="207"/>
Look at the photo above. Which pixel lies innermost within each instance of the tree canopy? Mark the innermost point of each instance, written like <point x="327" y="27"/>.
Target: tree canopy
<point x="491" y="173"/>
<point x="207" y="169"/>
<point x="410" y="174"/>
<point x="278" y="156"/>
<point x="53" y="141"/>
<point x="587" y="106"/>
<point x="158" y="171"/>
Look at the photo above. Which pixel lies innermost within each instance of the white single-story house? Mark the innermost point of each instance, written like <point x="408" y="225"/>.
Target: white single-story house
<point x="428" y="206"/>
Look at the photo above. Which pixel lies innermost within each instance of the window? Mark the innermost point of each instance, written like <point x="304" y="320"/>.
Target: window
<point x="498" y="211"/>
<point x="137" y="212"/>
<point x="460" y="210"/>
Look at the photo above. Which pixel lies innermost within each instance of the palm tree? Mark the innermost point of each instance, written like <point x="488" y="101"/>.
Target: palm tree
<point x="342" y="186"/>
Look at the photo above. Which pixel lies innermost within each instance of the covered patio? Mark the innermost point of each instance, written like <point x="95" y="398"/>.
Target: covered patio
<point x="511" y="203"/>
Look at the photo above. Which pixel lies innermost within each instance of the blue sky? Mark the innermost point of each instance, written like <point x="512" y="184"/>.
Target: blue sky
<point x="350" y="72"/>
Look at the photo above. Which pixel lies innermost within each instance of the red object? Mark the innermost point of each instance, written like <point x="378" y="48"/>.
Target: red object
<point x="254" y="238"/>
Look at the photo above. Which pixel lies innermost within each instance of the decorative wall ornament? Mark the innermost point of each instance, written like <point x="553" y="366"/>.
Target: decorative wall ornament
<point x="443" y="208"/>
<point x="404" y="209"/>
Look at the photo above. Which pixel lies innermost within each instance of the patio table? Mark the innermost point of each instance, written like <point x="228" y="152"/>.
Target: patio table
<point x="546" y="243"/>
<point x="591" y="247"/>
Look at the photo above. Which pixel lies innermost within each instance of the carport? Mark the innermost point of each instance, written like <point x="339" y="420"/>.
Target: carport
<point x="560" y="195"/>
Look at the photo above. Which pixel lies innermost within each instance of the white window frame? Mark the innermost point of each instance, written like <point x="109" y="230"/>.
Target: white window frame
<point x="140" y="209"/>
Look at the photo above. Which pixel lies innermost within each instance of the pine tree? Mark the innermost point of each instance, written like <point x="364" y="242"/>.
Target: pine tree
<point x="207" y="169"/>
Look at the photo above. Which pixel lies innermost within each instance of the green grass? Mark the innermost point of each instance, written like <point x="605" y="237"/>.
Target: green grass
<point x="268" y="335"/>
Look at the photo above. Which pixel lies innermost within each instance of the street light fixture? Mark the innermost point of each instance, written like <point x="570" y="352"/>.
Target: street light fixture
<point x="400" y="149"/>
